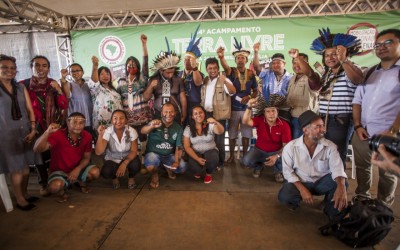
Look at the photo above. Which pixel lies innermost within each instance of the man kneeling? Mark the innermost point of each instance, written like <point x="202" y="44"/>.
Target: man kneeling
<point x="70" y="149"/>
<point x="312" y="166"/>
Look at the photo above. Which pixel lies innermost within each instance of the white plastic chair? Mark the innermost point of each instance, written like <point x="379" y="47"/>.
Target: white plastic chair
<point x="351" y="157"/>
<point x="5" y="194"/>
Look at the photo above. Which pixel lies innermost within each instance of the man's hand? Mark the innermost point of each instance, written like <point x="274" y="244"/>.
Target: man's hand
<point x="294" y="53"/>
<point x="220" y="52"/>
<point x="252" y="102"/>
<point x="341" y="53"/>
<point x="245" y="99"/>
<point x="222" y="77"/>
<point x="153" y="84"/>
<point x="271" y="160"/>
<point x="340" y="197"/>
<point x="73" y="175"/>
<point x="156" y="123"/>
<point x="306" y="196"/>
<point x="175" y="165"/>
<point x="256" y="47"/>
<point x="53" y="128"/>
<point x="362" y="134"/>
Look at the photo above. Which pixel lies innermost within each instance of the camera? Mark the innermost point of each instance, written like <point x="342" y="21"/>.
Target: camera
<point x="392" y="144"/>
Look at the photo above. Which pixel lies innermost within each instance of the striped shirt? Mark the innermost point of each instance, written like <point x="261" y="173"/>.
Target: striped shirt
<point x="342" y="97"/>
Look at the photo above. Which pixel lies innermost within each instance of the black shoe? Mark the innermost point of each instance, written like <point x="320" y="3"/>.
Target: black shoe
<point x="32" y="199"/>
<point x="28" y="207"/>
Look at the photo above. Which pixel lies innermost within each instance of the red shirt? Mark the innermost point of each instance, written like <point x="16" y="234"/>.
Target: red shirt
<point x="64" y="157"/>
<point x="271" y="139"/>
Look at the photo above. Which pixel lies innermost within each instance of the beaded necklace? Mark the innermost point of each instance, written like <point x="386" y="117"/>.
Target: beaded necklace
<point x="74" y="143"/>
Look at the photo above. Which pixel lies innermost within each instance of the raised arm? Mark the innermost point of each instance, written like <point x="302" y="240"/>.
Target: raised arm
<point x="146" y="129"/>
<point x="354" y="73"/>
<point x="145" y="65"/>
<point x="64" y="84"/>
<point x="256" y="61"/>
<point x="247" y="113"/>
<point x="42" y="143"/>
<point x="220" y="53"/>
<point x="95" y="74"/>
<point x="313" y="78"/>
<point x="101" y="143"/>
<point x="148" y="93"/>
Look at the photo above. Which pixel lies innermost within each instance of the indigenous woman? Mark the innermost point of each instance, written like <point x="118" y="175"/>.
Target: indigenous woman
<point x="78" y="93"/>
<point x="199" y="143"/>
<point x="18" y="129"/>
<point x="119" y="141"/>
<point x="105" y="97"/>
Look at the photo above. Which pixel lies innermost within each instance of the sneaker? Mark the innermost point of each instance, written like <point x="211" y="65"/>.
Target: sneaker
<point x="207" y="179"/>
<point x="256" y="173"/>
<point x="197" y="176"/>
<point x="279" y="177"/>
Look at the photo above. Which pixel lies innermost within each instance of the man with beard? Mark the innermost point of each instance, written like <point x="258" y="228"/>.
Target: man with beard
<point x="164" y="145"/>
<point x="49" y="105"/>
<point x="375" y="107"/>
<point x="70" y="150"/>
<point x="312" y="166"/>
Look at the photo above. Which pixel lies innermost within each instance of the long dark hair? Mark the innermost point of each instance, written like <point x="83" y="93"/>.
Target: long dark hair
<point x="137" y="63"/>
<point x="192" y="123"/>
<point x="109" y="72"/>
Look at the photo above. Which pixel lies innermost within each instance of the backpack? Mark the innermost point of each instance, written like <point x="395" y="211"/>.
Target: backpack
<point x="362" y="224"/>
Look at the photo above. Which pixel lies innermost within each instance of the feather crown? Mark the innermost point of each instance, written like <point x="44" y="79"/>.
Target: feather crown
<point x="193" y="47"/>
<point x="166" y="59"/>
<point x="329" y="40"/>
<point x="239" y="49"/>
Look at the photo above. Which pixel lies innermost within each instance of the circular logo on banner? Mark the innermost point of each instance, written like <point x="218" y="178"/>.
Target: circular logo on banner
<point x="111" y="50"/>
<point x="367" y="33"/>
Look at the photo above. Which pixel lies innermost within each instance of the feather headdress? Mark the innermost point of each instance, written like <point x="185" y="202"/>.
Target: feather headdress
<point x="193" y="47"/>
<point x="166" y="59"/>
<point x="328" y="40"/>
<point x="239" y="49"/>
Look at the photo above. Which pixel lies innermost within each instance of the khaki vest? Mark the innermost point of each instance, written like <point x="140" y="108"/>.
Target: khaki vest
<point x="300" y="97"/>
<point x="221" y="101"/>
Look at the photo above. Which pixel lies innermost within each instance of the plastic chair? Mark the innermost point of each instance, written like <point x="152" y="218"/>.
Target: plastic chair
<point x="5" y="194"/>
<point x="350" y="154"/>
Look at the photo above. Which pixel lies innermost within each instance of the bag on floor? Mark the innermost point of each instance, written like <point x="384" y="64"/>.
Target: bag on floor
<point x="362" y="224"/>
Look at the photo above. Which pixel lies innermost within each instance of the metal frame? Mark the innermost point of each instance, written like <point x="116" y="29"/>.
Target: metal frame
<point x="231" y="11"/>
<point x="32" y="16"/>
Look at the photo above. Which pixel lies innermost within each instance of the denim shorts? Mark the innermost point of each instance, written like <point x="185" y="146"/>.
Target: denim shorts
<point x="156" y="160"/>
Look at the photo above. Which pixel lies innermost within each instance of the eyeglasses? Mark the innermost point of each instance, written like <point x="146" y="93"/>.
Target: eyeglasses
<point x="385" y="44"/>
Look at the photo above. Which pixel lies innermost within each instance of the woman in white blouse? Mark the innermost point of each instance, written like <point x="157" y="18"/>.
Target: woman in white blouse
<point x="199" y="143"/>
<point x="105" y="97"/>
<point x="119" y="141"/>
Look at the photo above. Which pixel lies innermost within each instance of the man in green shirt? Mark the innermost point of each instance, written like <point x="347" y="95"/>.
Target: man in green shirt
<point x="164" y="146"/>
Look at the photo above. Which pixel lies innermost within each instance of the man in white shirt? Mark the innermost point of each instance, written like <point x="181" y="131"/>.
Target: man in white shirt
<point x="216" y="95"/>
<point x="312" y="166"/>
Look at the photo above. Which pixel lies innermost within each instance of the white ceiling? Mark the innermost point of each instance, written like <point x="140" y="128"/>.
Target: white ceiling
<point x="76" y="7"/>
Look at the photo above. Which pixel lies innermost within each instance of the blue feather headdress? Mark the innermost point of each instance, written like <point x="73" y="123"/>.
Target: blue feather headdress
<point x="328" y="40"/>
<point x="239" y="49"/>
<point x="193" y="47"/>
<point x="166" y="59"/>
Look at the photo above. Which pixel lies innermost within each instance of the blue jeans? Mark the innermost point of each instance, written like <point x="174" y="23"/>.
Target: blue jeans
<point x="290" y="195"/>
<point x="297" y="131"/>
<point x="156" y="160"/>
<point x="255" y="159"/>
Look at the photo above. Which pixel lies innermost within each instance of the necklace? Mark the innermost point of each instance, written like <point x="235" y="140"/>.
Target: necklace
<point x="74" y="143"/>
<point x="242" y="79"/>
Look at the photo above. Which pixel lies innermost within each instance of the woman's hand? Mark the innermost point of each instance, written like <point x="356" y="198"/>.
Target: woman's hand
<point x="201" y="161"/>
<point x="29" y="138"/>
<point x="121" y="169"/>
<point x="101" y="129"/>
<point x="95" y="61"/>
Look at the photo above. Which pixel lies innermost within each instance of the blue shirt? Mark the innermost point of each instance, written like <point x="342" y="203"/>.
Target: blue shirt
<point x="268" y="78"/>
<point x="250" y="84"/>
<point x="191" y="90"/>
<point x="379" y="98"/>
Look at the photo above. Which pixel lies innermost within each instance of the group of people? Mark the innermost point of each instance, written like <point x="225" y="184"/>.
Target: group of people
<point x="304" y="121"/>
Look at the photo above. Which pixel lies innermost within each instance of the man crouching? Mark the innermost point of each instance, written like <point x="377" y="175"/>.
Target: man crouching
<point x="312" y="166"/>
<point x="70" y="150"/>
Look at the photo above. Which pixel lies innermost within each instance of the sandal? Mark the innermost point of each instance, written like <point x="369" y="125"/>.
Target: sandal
<point x="154" y="181"/>
<point x="132" y="184"/>
<point x="84" y="189"/>
<point x="63" y="197"/>
<point x="171" y="174"/>
<point x="116" y="184"/>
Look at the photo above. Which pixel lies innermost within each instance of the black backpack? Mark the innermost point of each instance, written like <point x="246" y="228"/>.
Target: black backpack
<point x="362" y="224"/>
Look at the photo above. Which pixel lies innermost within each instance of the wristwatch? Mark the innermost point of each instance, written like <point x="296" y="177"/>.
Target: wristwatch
<point x="278" y="156"/>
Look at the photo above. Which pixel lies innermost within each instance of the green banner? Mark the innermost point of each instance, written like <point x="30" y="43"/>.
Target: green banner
<point x="114" y="45"/>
